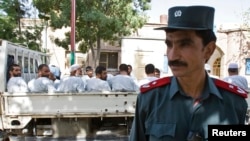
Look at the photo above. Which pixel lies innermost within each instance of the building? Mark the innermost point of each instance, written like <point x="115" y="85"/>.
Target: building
<point x="147" y="46"/>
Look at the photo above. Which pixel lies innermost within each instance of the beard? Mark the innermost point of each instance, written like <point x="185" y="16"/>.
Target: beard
<point x="16" y="75"/>
<point x="45" y="75"/>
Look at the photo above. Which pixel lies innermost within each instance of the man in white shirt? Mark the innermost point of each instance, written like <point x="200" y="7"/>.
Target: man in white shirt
<point x="16" y="83"/>
<point x="122" y="82"/>
<point x="72" y="83"/>
<point x="56" y="71"/>
<point x="235" y="78"/>
<point x="98" y="83"/>
<point x="88" y="74"/>
<point x="150" y="72"/>
<point x="131" y="74"/>
<point x="42" y="83"/>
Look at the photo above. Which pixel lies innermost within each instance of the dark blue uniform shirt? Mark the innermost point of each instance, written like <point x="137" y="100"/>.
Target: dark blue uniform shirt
<point x="166" y="113"/>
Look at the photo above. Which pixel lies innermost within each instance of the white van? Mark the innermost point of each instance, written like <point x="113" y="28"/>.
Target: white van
<point x="28" y="59"/>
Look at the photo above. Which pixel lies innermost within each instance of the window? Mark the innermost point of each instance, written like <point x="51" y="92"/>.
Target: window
<point x="26" y="62"/>
<point x="31" y="65"/>
<point x="36" y="66"/>
<point x="20" y="61"/>
<point x="216" y="67"/>
<point x="10" y="61"/>
<point x="247" y="66"/>
<point x="109" y="60"/>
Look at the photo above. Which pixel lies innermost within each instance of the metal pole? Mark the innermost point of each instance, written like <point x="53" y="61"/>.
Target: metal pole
<point x="72" y="33"/>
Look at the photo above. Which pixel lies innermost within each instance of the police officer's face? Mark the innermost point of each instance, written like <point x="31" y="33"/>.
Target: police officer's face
<point x="16" y="72"/>
<point x="186" y="53"/>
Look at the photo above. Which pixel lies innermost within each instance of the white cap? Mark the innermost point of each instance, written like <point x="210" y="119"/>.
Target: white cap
<point x="207" y="67"/>
<point x="74" y="67"/>
<point x="233" y="66"/>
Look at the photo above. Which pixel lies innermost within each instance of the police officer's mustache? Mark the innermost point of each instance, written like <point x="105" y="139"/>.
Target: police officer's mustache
<point x="177" y="63"/>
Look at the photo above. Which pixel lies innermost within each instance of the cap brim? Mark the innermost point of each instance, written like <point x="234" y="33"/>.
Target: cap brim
<point x="184" y="28"/>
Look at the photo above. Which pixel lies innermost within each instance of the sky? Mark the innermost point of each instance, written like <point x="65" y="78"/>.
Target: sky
<point x="226" y="11"/>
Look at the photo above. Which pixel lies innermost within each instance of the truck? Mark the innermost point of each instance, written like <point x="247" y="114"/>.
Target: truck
<point x="87" y="115"/>
<point x="63" y="116"/>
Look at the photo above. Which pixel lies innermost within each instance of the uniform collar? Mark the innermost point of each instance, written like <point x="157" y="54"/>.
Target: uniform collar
<point x="210" y="88"/>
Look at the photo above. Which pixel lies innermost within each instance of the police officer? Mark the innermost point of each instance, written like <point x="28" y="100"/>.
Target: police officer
<point x="180" y="107"/>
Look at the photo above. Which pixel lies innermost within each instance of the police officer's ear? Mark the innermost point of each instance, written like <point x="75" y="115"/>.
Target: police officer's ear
<point x="209" y="49"/>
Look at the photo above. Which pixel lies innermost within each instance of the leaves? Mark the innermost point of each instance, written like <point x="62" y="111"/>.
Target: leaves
<point x="11" y="28"/>
<point x="106" y="20"/>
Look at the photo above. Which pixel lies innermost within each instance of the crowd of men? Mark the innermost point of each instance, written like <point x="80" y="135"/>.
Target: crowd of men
<point x="49" y="79"/>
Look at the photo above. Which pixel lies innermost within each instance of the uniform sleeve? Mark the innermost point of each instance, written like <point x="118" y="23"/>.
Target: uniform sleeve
<point x="137" y="132"/>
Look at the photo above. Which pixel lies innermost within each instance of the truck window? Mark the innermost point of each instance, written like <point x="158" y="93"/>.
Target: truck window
<point x="20" y="61"/>
<point x="10" y="61"/>
<point x="36" y="66"/>
<point x="31" y="65"/>
<point x="26" y="67"/>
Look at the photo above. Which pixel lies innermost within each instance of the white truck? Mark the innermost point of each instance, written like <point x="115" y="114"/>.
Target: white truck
<point x="58" y="115"/>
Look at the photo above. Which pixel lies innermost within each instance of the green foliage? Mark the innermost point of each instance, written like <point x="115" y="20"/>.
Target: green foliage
<point x="11" y="29"/>
<point x="106" y="20"/>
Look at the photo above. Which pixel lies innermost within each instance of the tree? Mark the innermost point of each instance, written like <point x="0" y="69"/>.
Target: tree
<point x="246" y="18"/>
<point x="13" y="11"/>
<point x="96" y="20"/>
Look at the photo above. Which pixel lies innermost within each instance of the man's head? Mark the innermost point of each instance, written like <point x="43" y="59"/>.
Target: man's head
<point x="43" y="70"/>
<point x="101" y="72"/>
<point x="157" y="73"/>
<point x="89" y="71"/>
<point x="130" y="69"/>
<point x="190" y="38"/>
<point x="233" y="69"/>
<point x="15" y="70"/>
<point x="149" y="69"/>
<point x="79" y="72"/>
<point x="123" y="69"/>
<point x="74" y="69"/>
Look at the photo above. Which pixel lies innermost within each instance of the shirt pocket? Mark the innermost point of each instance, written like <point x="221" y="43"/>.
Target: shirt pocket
<point x="160" y="129"/>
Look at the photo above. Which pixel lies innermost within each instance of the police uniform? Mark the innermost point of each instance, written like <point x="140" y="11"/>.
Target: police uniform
<point x="165" y="113"/>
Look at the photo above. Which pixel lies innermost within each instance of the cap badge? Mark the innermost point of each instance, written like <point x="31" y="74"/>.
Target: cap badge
<point x="177" y="13"/>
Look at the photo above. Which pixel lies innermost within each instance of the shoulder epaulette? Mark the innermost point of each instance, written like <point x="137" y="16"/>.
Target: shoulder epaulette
<point x="231" y="88"/>
<point x="156" y="83"/>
